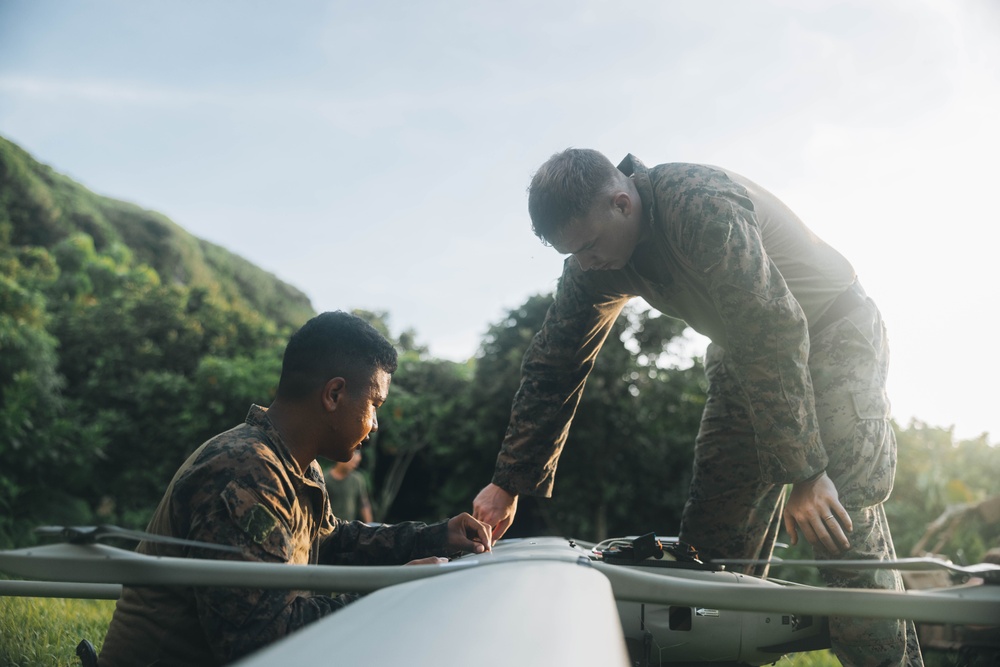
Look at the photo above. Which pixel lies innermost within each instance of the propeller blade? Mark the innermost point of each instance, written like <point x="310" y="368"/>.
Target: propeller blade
<point x="92" y="534"/>
<point x="978" y="605"/>
<point x="987" y="571"/>
<point x="99" y="563"/>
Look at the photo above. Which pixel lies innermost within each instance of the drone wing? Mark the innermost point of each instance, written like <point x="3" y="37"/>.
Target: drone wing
<point x="98" y="563"/>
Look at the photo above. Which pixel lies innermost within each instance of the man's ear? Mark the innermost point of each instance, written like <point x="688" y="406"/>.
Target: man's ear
<point x="623" y="202"/>
<point x="333" y="393"/>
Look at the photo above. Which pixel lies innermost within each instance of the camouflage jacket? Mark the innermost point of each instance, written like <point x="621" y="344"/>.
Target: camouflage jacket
<point x="243" y="488"/>
<point x="728" y="258"/>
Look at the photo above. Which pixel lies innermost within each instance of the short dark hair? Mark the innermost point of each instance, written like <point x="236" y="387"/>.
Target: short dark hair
<point x="566" y="187"/>
<point x="330" y="345"/>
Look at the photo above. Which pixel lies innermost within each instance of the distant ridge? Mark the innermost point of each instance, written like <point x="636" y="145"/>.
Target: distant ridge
<point x="41" y="207"/>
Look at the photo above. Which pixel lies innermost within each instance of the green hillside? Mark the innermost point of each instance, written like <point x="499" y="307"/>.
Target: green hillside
<point x="41" y="207"/>
<point x="125" y="342"/>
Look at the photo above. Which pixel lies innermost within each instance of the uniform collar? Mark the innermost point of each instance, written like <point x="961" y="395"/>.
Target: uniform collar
<point x="633" y="167"/>
<point x="257" y="417"/>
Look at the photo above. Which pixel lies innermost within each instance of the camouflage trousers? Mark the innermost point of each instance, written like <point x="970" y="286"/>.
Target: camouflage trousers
<point x="732" y="513"/>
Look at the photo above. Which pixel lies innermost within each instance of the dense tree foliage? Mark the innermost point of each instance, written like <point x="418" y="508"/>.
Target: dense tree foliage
<point x="110" y="378"/>
<point x="936" y="474"/>
<point x="109" y="374"/>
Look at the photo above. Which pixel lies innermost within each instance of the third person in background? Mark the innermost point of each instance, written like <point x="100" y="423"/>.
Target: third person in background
<point x="348" y="490"/>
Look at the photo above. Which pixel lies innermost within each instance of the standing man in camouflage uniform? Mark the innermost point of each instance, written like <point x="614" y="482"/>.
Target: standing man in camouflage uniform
<point x="796" y="367"/>
<point x="257" y="487"/>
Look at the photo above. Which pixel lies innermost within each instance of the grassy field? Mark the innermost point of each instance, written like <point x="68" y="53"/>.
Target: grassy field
<point x="44" y="632"/>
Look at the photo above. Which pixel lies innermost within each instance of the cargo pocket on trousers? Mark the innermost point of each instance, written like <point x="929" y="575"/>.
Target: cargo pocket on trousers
<point x="869" y="471"/>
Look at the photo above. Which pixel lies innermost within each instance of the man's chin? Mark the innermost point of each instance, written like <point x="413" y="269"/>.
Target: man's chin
<point x="349" y="454"/>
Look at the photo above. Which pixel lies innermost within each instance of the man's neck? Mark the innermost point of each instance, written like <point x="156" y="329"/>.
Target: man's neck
<point x="637" y="208"/>
<point x="293" y="434"/>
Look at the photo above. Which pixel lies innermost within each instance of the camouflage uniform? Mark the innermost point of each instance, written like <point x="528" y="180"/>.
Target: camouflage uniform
<point x="796" y="377"/>
<point x="243" y="488"/>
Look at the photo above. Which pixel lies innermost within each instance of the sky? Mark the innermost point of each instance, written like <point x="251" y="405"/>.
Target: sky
<point x="376" y="154"/>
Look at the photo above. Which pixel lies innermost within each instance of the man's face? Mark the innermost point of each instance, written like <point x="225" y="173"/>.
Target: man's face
<point x="604" y="239"/>
<point x="354" y="417"/>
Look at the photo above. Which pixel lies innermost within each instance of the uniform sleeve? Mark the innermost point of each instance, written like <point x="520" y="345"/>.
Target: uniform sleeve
<point x="357" y="543"/>
<point x="767" y="336"/>
<point x="238" y="621"/>
<point x="553" y="373"/>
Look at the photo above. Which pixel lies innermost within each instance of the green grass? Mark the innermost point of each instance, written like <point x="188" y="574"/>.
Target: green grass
<point x="810" y="659"/>
<point x="44" y="632"/>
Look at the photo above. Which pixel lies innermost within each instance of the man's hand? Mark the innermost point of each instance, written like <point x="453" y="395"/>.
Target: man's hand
<point x="814" y="508"/>
<point x="468" y="534"/>
<point x="495" y="507"/>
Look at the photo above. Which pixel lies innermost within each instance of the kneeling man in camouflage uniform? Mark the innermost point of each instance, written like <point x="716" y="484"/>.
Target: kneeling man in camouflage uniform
<point x="796" y="368"/>
<point x="258" y="487"/>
